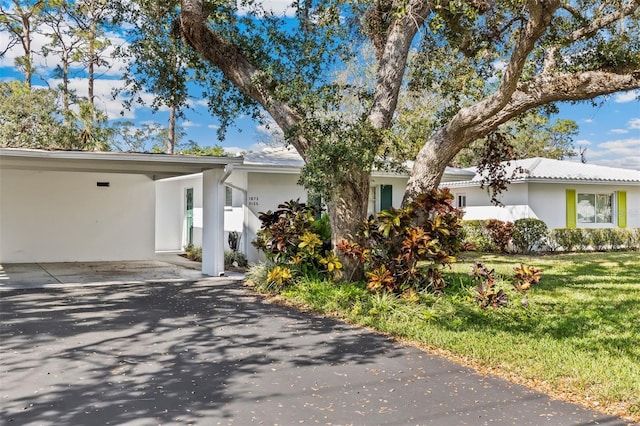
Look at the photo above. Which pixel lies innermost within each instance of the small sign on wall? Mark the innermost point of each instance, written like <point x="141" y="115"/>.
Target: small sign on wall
<point x="253" y="201"/>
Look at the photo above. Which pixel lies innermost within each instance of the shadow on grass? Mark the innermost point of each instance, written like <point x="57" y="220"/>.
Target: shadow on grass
<point x="590" y="299"/>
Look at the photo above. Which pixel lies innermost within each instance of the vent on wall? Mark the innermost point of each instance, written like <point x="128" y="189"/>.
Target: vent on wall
<point x="102" y="184"/>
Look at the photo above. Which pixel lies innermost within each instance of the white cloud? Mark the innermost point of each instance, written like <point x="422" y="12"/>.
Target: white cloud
<point x="189" y="123"/>
<point x="634" y="123"/>
<point x="588" y="120"/>
<point x="622" y="147"/>
<point x="199" y="102"/>
<point x="632" y="162"/>
<point x="583" y="142"/>
<point x="234" y="150"/>
<point x="44" y="65"/>
<point x="629" y="96"/>
<point x="618" y="131"/>
<point x="277" y="7"/>
<point x="213" y="126"/>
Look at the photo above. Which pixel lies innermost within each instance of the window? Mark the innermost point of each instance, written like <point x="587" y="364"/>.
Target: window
<point x="228" y="197"/>
<point x="461" y="200"/>
<point x="595" y="208"/>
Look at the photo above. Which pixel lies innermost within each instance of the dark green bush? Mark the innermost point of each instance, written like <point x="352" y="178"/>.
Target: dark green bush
<point x="528" y="234"/>
<point x="615" y="237"/>
<point x="597" y="239"/>
<point x="567" y="238"/>
<point x="322" y="227"/>
<point x="475" y="232"/>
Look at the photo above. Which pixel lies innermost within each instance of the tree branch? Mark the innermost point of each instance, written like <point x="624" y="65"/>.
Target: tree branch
<point x="393" y="61"/>
<point x="604" y="21"/>
<point x="235" y="66"/>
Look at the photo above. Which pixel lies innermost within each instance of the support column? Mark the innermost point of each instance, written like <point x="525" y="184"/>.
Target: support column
<point x="213" y="222"/>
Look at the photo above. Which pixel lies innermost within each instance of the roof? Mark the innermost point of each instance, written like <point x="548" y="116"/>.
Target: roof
<point x="157" y="166"/>
<point x="548" y="170"/>
<point x="287" y="159"/>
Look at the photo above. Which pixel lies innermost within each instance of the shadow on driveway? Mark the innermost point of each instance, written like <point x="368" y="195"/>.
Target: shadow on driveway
<point x="210" y="352"/>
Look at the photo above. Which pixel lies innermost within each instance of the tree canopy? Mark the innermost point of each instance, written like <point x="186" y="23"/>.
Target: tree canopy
<point x="488" y="62"/>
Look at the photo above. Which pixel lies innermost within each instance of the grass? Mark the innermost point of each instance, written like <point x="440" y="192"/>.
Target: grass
<point x="577" y="336"/>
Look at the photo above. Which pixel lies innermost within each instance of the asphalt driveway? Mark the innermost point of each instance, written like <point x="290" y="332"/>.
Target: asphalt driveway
<point x="210" y="352"/>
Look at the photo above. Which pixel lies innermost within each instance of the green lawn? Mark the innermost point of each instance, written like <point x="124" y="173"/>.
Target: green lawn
<point x="576" y="336"/>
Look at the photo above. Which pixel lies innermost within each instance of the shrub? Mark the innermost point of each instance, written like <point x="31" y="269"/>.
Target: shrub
<point x="615" y="237"/>
<point x="551" y="241"/>
<point x="500" y="233"/>
<point x="597" y="239"/>
<point x="582" y="239"/>
<point x="291" y="246"/>
<point x="193" y="252"/>
<point x="632" y="240"/>
<point x="564" y="237"/>
<point x="528" y="233"/>
<point x="396" y="244"/>
<point x="475" y="233"/>
<point x="322" y="227"/>
<point x="235" y="259"/>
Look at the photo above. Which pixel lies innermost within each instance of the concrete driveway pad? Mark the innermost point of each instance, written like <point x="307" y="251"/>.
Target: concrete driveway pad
<point x="50" y="275"/>
<point x="210" y="352"/>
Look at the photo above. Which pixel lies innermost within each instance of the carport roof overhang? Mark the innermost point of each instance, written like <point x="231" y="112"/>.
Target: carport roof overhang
<point x="156" y="166"/>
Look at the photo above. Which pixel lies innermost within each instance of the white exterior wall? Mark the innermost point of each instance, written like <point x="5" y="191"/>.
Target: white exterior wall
<point x="515" y="203"/>
<point x="398" y="186"/>
<point x="65" y="217"/>
<point x="171" y="223"/>
<point x="549" y="202"/>
<point x="265" y="192"/>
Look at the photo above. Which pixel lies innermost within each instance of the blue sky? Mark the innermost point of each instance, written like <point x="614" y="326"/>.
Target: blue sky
<point x="610" y="131"/>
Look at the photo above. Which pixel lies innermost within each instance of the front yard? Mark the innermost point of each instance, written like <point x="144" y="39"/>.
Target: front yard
<point x="576" y="335"/>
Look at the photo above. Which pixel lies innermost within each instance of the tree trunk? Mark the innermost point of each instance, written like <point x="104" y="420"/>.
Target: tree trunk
<point x="347" y="210"/>
<point x="171" y="141"/>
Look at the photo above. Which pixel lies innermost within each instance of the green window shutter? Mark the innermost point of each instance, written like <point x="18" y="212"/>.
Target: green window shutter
<point x="571" y="208"/>
<point x="622" y="209"/>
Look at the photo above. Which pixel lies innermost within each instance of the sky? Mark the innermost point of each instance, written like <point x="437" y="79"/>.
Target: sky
<point x="610" y="131"/>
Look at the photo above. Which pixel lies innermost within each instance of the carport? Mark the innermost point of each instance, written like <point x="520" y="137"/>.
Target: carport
<point x="77" y="206"/>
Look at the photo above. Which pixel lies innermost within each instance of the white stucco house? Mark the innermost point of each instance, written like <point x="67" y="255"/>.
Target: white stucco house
<point x="263" y="180"/>
<point x="59" y="206"/>
<point x="68" y="206"/>
<point x="564" y="194"/>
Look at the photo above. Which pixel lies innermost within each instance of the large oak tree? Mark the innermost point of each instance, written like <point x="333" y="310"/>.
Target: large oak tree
<point x="488" y="61"/>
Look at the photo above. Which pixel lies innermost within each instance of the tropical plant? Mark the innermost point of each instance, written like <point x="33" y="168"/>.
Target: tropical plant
<point x="402" y="248"/>
<point x="288" y="241"/>
<point x="526" y="276"/>
<point x="486" y="293"/>
<point x="500" y="233"/>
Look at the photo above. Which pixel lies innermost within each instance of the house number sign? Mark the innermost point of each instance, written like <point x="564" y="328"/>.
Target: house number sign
<point x="254" y="201"/>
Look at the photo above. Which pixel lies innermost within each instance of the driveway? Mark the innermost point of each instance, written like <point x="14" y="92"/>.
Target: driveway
<point x="210" y="352"/>
<point x="166" y="268"/>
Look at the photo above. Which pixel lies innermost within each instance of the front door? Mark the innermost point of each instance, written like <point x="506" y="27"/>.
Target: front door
<point x="189" y="216"/>
<point x="386" y="197"/>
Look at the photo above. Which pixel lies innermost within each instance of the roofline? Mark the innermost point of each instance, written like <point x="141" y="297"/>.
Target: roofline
<point x="472" y="183"/>
<point x="118" y="156"/>
<point x="267" y="168"/>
